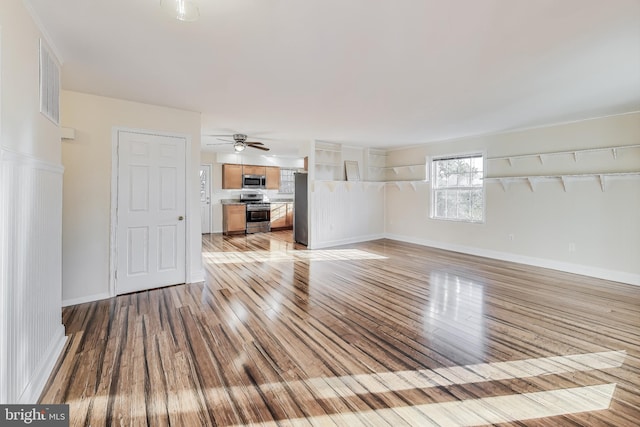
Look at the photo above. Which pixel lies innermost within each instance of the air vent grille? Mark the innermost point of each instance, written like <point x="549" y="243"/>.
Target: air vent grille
<point x="49" y="84"/>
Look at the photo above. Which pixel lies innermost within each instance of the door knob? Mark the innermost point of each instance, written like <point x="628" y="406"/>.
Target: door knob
<point x="180" y="218"/>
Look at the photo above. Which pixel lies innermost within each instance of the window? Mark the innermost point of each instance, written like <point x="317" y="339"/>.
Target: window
<point x="287" y="183"/>
<point x="457" y="191"/>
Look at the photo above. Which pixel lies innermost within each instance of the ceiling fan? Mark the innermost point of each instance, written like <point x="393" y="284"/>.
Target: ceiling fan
<point x="240" y="142"/>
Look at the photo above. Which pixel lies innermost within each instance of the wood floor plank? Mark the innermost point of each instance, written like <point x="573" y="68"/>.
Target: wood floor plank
<point x="381" y="333"/>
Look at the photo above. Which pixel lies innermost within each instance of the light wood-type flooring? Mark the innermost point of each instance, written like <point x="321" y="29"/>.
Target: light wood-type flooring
<point x="381" y="333"/>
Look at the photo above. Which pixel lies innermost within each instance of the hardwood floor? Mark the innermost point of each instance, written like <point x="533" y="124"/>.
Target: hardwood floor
<point x="378" y="333"/>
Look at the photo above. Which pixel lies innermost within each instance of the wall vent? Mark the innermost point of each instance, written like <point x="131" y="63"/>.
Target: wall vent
<point x="49" y="84"/>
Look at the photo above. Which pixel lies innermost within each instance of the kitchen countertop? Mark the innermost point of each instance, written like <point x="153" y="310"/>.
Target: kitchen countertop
<point x="231" y="202"/>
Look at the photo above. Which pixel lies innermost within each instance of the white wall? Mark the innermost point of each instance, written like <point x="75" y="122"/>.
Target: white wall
<point x="87" y="186"/>
<point x="218" y="193"/>
<point x="604" y="227"/>
<point x="342" y="212"/>
<point x="31" y="330"/>
<point x="345" y="212"/>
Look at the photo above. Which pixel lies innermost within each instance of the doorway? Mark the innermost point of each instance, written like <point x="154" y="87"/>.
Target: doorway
<point x="150" y="246"/>
<point x="205" y="198"/>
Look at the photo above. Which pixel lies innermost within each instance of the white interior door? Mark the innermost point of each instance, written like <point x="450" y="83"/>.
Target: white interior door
<point x="205" y="198"/>
<point x="150" y="214"/>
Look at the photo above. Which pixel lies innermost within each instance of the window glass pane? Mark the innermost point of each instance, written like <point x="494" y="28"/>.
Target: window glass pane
<point x="464" y="203"/>
<point x="286" y="181"/>
<point x="476" y="209"/>
<point x="476" y="179"/>
<point x="451" y="202"/>
<point x="457" y="188"/>
<point x="440" y="203"/>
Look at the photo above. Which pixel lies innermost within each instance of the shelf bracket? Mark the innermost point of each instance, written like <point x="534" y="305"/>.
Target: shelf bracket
<point x="532" y="183"/>
<point x="565" y="183"/>
<point x="542" y="158"/>
<point x="575" y="156"/>
<point x="396" y="170"/>
<point x="505" y="184"/>
<point x="602" y="182"/>
<point x="510" y="160"/>
<point x="614" y="152"/>
<point x="413" y="185"/>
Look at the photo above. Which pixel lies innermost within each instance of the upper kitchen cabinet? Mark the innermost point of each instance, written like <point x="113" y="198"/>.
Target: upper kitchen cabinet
<point x="273" y="177"/>
<point x="254" y="170"/>
<point x="232" y="176"/>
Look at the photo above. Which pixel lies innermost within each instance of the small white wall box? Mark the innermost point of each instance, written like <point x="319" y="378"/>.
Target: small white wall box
<point x="67" y="133"/>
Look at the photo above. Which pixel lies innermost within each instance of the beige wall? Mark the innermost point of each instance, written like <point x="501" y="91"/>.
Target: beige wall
<point x="539" y="227"/>
<point x="24" y="129"/>
<point x="31" y="330"/>
<point x="87" y="185"/>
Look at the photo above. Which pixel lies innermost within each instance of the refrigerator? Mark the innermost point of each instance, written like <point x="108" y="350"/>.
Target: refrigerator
<point x="300" y="209"/>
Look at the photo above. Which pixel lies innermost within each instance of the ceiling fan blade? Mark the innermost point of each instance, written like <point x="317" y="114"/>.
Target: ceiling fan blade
<point x="220" y="143"/>
<point x="254" y="143"/>
<point x="226" y="140"/>
<point x="259" y="148"/>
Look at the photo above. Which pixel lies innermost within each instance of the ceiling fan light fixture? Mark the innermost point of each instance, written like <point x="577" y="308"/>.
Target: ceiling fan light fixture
<point x="239" y="146"/>
<point x="182" y="10"/>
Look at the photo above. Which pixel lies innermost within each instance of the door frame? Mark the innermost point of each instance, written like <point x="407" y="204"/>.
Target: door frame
<point x="113" y="238"/>
<point x="210" y="195"/>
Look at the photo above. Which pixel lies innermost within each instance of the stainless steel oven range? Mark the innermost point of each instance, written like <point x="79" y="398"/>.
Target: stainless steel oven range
<point x="258" y="213"/>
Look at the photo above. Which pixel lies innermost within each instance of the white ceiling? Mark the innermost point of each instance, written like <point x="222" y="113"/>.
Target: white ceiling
<point x="364" y="72"/>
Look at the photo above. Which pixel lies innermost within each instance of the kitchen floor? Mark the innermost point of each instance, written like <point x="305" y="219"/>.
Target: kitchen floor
<point x="377" y="333"/>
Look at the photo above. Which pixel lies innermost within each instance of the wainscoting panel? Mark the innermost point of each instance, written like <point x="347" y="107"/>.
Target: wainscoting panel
<point x="31" y="331"/>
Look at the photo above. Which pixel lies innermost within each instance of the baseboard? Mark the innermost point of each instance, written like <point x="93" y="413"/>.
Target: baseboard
<point x="348" y="241"/>
<point x="34" y="388"/>
<point x="584" y="270"/>
<point x="197" y="276"/>
<point x="89" y="298"/>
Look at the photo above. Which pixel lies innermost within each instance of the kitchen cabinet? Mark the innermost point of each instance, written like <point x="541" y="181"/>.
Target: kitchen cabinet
<point x="281" y="215"/>
<point x="231" y="176"/>
<point x="290" y="214"/>
<point x="234" y="218"/>
<point x="254" y="170"/>
<point x="273" y="177"/>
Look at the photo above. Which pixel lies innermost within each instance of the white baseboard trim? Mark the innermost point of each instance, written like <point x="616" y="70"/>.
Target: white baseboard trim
<point x="88" y="298"/>
<point x="197" y="276"/>
<point x="347" y="241"/>
<point x="34" y="388"/>
<point x="600" y="273"/>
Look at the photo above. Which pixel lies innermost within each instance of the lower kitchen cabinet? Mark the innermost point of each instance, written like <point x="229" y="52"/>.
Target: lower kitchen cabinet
<point x="234" y="219"/>
<point x="281" y="215"/>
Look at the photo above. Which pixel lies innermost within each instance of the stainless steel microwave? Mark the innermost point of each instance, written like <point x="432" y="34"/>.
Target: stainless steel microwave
<point x="254" y="181"/>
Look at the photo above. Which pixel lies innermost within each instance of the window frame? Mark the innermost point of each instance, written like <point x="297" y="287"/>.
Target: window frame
<point x="293" y="171"/>
<point x="433" y="170"/>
